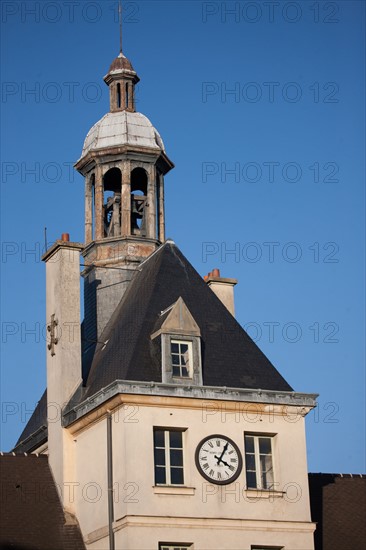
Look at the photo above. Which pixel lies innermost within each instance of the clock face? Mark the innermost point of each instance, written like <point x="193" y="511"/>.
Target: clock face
<point x="218" y="459"/>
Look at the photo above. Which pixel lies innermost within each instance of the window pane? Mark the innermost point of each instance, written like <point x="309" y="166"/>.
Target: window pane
<point x="159" y="457"/>
<point x="175" y="359"/>
<point x="160" y="476"/>
<point x="174" y="348"/>
<point x="183" y="348"/>
<point x="176" y="371"/>
<point x="249" y="444"/>
<point x="250" y="462"/>
<point x="267" y="481"/>
<point x="159" y="438"/>
<point x="251" y="480"/>
<point x="176" y="458"/>
<point x="184" y="371"/>
<point x="176" y="439"/>
<point x="266" y="472"/>
<point x="266" y="463"/>
<point x="176" y="475"/>
<point x="265" y="445"/>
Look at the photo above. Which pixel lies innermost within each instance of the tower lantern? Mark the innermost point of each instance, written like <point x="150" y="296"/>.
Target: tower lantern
<point x="121" y="79"/>
<point x="124" y="163"/>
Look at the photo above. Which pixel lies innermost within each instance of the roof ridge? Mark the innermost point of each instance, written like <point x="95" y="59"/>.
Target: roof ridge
<point x="13" y="454"/>
<point x="161" y="247"/>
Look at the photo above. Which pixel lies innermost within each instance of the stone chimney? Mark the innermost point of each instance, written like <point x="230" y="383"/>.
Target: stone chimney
<point x="223" y="288"/>
<point x="63" y="349"/>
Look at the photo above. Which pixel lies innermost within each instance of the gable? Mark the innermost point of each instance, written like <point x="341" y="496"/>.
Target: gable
<point x="177" y="320"/>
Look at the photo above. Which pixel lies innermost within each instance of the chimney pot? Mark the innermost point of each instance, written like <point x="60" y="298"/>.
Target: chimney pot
<point x="216" y="272"/>
<point x="65" y="237"/>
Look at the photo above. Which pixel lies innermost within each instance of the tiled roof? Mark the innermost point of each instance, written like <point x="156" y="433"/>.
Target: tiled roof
<point x="31" y="516"/>
<point x="229" y="356"/>
<point x="338" y="506"/>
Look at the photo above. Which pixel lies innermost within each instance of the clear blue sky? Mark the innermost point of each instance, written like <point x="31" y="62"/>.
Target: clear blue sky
<point x="273" y="172"/>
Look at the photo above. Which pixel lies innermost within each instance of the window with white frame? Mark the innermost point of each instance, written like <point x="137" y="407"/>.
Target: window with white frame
<point x="181" y="357"/>
<point x="168" y="457"/>
<point x="259" y="462"/>
<point x="174" y="546"/>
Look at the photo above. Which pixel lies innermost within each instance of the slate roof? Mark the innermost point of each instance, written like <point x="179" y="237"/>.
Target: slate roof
<point x="229" y="356"/>
<point x="338" y="506"/>
<point x="36" y="423"/>
<point x="31" y="513"/>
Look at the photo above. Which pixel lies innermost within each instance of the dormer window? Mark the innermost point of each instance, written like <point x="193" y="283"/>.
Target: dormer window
<point x="179" y="340"/>
<point x="181" y="356"/>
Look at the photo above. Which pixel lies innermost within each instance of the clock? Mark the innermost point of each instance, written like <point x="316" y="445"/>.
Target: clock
<point x="218" y="459"/>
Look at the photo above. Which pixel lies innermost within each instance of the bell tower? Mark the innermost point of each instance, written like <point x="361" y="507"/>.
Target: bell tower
<point x="124" y="163"/>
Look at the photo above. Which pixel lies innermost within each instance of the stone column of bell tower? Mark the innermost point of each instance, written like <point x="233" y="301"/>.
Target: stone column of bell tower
<point x="124" y="163"/>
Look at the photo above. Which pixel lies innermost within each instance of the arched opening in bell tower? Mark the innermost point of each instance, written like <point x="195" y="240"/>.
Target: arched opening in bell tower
<point x="112" y="182"/>
<point x="127" y="97"/>
<point x="138" y="201"/>
<point x="119" y="100"/>
<point x="92" y="206"/>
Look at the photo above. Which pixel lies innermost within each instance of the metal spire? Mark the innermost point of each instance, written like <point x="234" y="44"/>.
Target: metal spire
<point x="120" y="24"/>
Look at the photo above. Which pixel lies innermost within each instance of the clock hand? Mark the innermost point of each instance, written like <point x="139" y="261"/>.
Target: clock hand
<point x="219" y="459"/>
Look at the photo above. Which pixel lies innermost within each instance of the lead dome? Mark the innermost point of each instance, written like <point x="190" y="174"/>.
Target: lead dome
<point x="122" y="128"/>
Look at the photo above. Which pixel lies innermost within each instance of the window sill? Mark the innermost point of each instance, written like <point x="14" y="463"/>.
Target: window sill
<point x="173" y="490"/>
<point x="263" y="493"/>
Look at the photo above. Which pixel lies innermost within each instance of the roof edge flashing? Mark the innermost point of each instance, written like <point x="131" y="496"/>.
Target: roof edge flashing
<point x="207" y="393"/>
